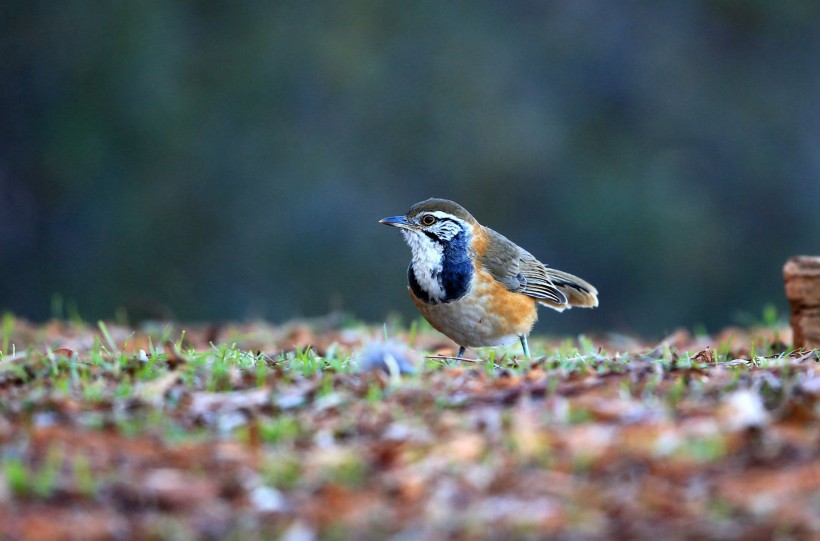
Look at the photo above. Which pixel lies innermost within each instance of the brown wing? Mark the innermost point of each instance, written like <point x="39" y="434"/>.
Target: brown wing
<point x="519" y="271"/>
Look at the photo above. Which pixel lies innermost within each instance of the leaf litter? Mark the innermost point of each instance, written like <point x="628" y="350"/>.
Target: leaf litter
<point x="322" y="429"/>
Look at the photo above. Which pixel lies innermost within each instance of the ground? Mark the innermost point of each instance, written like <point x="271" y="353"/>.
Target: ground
<point x="309" y="431"/>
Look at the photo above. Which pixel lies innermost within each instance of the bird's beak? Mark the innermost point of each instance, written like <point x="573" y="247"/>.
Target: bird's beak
<point x="397" y="221"/>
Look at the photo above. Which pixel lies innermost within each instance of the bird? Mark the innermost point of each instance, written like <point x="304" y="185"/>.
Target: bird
<point x="473" y="284"/>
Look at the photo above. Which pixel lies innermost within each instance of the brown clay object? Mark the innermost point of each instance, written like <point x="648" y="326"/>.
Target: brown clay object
<point x="802" y="277"/>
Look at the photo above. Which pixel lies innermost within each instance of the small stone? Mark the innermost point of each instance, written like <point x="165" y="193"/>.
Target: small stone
<point x="268" y="500"/>
<point x="390" y="357"/>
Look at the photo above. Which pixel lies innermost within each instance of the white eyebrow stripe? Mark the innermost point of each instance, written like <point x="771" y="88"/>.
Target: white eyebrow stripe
<point x="442" y="214"/>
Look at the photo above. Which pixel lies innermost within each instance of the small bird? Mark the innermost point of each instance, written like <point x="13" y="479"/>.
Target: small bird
<point x="473" y="284"/>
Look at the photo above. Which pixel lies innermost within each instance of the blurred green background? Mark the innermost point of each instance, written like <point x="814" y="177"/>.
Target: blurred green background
<point x="230" y="160"/>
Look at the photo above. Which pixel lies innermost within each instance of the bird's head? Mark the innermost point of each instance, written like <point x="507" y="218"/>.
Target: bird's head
<point x="432" y="225"/>
<point x="439" y="233"/>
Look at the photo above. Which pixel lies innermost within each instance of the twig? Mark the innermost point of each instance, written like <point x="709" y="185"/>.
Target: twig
<point x="448" y="358"/>
<point x="814" y="353"/>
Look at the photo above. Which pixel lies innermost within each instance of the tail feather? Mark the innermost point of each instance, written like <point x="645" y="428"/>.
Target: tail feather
<point x="577" y="291"/>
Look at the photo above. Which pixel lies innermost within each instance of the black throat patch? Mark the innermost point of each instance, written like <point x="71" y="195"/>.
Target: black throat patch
<point x="456" y="271"/>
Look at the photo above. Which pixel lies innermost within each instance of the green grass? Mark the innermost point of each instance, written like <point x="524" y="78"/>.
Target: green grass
<point x="303" y="421"/>
<point x="8" y="331"/>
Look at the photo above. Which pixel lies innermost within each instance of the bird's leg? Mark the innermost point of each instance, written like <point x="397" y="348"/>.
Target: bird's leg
<point x="523" y="339"/>
<point x="461" y="350"/>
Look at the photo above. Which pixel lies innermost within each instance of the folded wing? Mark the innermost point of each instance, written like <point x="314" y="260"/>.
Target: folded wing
<point x="520" y="272"/>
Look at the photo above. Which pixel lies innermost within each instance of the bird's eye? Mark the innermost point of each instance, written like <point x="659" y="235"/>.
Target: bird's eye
<point x="428" y="219"/>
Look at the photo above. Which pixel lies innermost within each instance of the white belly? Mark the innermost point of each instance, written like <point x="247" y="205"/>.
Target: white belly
<point x="466" y="324"/>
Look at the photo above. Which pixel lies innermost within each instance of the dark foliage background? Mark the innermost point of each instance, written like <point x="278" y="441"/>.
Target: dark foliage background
<point x="211" y="160"/>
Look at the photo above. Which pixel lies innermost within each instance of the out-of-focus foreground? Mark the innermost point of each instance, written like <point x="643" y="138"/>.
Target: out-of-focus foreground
<point x="246" y="432"/>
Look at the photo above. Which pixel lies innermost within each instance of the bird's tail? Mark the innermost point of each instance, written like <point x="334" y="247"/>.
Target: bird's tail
<point x="577" y="291"/>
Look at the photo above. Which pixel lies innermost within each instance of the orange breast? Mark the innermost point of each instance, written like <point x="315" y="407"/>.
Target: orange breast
<point x="488" y="315"/>
<point x="517" y="313"/>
